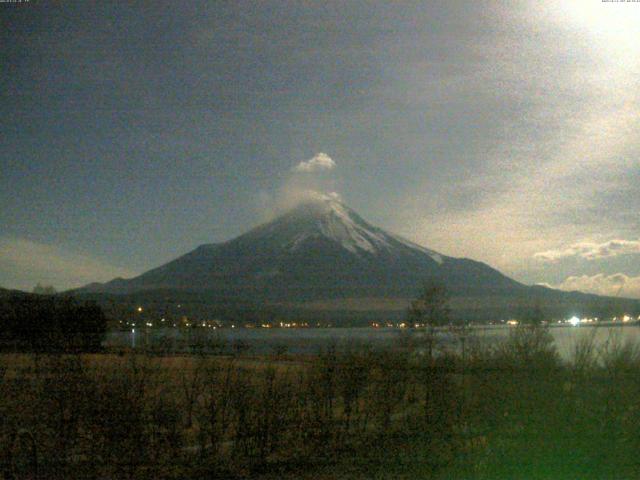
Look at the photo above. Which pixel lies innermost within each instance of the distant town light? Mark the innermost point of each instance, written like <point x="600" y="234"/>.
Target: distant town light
<point x="139" y="309"/>
<point x="574" y="321"/>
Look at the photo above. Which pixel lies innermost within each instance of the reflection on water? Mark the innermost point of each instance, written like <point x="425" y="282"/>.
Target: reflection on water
<point x="311" y="340"/>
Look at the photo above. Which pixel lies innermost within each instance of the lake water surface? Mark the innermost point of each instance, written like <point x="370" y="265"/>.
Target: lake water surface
<point x="312" y="340"/>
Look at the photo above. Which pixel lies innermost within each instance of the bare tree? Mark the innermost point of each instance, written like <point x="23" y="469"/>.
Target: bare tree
<point x="431" y="310"/>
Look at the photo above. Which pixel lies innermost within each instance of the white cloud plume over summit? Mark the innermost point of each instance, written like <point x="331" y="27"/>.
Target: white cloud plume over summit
<point x="321" y="161"/>
<point x="591" y="250"/>
<point x="298" y="187"/>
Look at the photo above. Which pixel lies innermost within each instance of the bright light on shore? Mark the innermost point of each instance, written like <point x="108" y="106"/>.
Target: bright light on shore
<point x="574" y="321"/>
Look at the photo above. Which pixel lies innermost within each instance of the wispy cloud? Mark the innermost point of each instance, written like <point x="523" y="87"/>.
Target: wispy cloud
<point x="321" y="161"/>
<point x="25" y="262"/>
<point x="591" y="250"/>
<point x="546" y="177"/>
<point x="617" y="284"/>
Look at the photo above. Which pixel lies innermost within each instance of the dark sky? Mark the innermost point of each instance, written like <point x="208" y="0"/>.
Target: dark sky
<point x="502" y="131"/>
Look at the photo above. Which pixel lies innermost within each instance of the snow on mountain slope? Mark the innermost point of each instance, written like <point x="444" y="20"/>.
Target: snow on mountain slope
<point x="319" y="249"/>
<point x="325" y="216"/>
<point x="438" y="258"/>
<point x="324" y="256"/>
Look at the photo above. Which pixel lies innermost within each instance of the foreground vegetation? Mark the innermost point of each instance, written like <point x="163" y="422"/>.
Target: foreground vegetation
<point x="510" y="411"/>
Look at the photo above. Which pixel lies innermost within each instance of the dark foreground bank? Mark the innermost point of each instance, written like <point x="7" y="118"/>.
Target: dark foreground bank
<point x="510" y="411"/>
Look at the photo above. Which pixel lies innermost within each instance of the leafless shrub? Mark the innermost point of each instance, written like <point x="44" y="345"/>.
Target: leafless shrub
<point x="352" y="377"/>
<point x="191" y="382"/>
<point x="584" y="358"/>
<point x="617" y="355"/>
<point x="389" y="374"/>
<point x="120" y="416"/>
<point x="528" y="348"/>
<point x="215" y="414"/>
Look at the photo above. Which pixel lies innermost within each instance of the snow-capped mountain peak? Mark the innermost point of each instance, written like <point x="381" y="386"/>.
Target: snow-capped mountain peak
<point x="339" y="223"/>
<point x="320" y="249"/>
<point x="325" y="216"/>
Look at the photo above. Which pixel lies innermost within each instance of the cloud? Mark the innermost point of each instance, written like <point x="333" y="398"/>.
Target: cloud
<point x="544" y="166"/>
<point x="291" y="196"/>
<point x="617" y="284"/>
<point x="25" y="263"/>
<point x="321" y="161"/>
<point x="295" y="189"/>
<point x="591" y="250"/>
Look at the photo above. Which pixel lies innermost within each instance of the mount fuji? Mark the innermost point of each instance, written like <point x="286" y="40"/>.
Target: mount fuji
<point x="322" y="255"/>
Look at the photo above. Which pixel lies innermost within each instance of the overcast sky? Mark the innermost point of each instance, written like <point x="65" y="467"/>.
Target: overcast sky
<point x="507" y="132"/>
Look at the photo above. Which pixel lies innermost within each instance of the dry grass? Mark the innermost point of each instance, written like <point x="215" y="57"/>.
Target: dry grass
<point x="508" y="412"/>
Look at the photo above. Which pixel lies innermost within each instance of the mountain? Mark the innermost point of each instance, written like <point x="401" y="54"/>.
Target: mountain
<point x="320" y="249"/>
<point x="5" y="293"/>
<point x="322" y="255"/>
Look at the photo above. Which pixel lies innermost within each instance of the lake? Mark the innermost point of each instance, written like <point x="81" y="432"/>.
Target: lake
<point x="311" y="340"/>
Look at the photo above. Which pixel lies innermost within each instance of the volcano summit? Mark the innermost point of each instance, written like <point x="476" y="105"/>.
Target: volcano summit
<point x="323" y="255"/>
